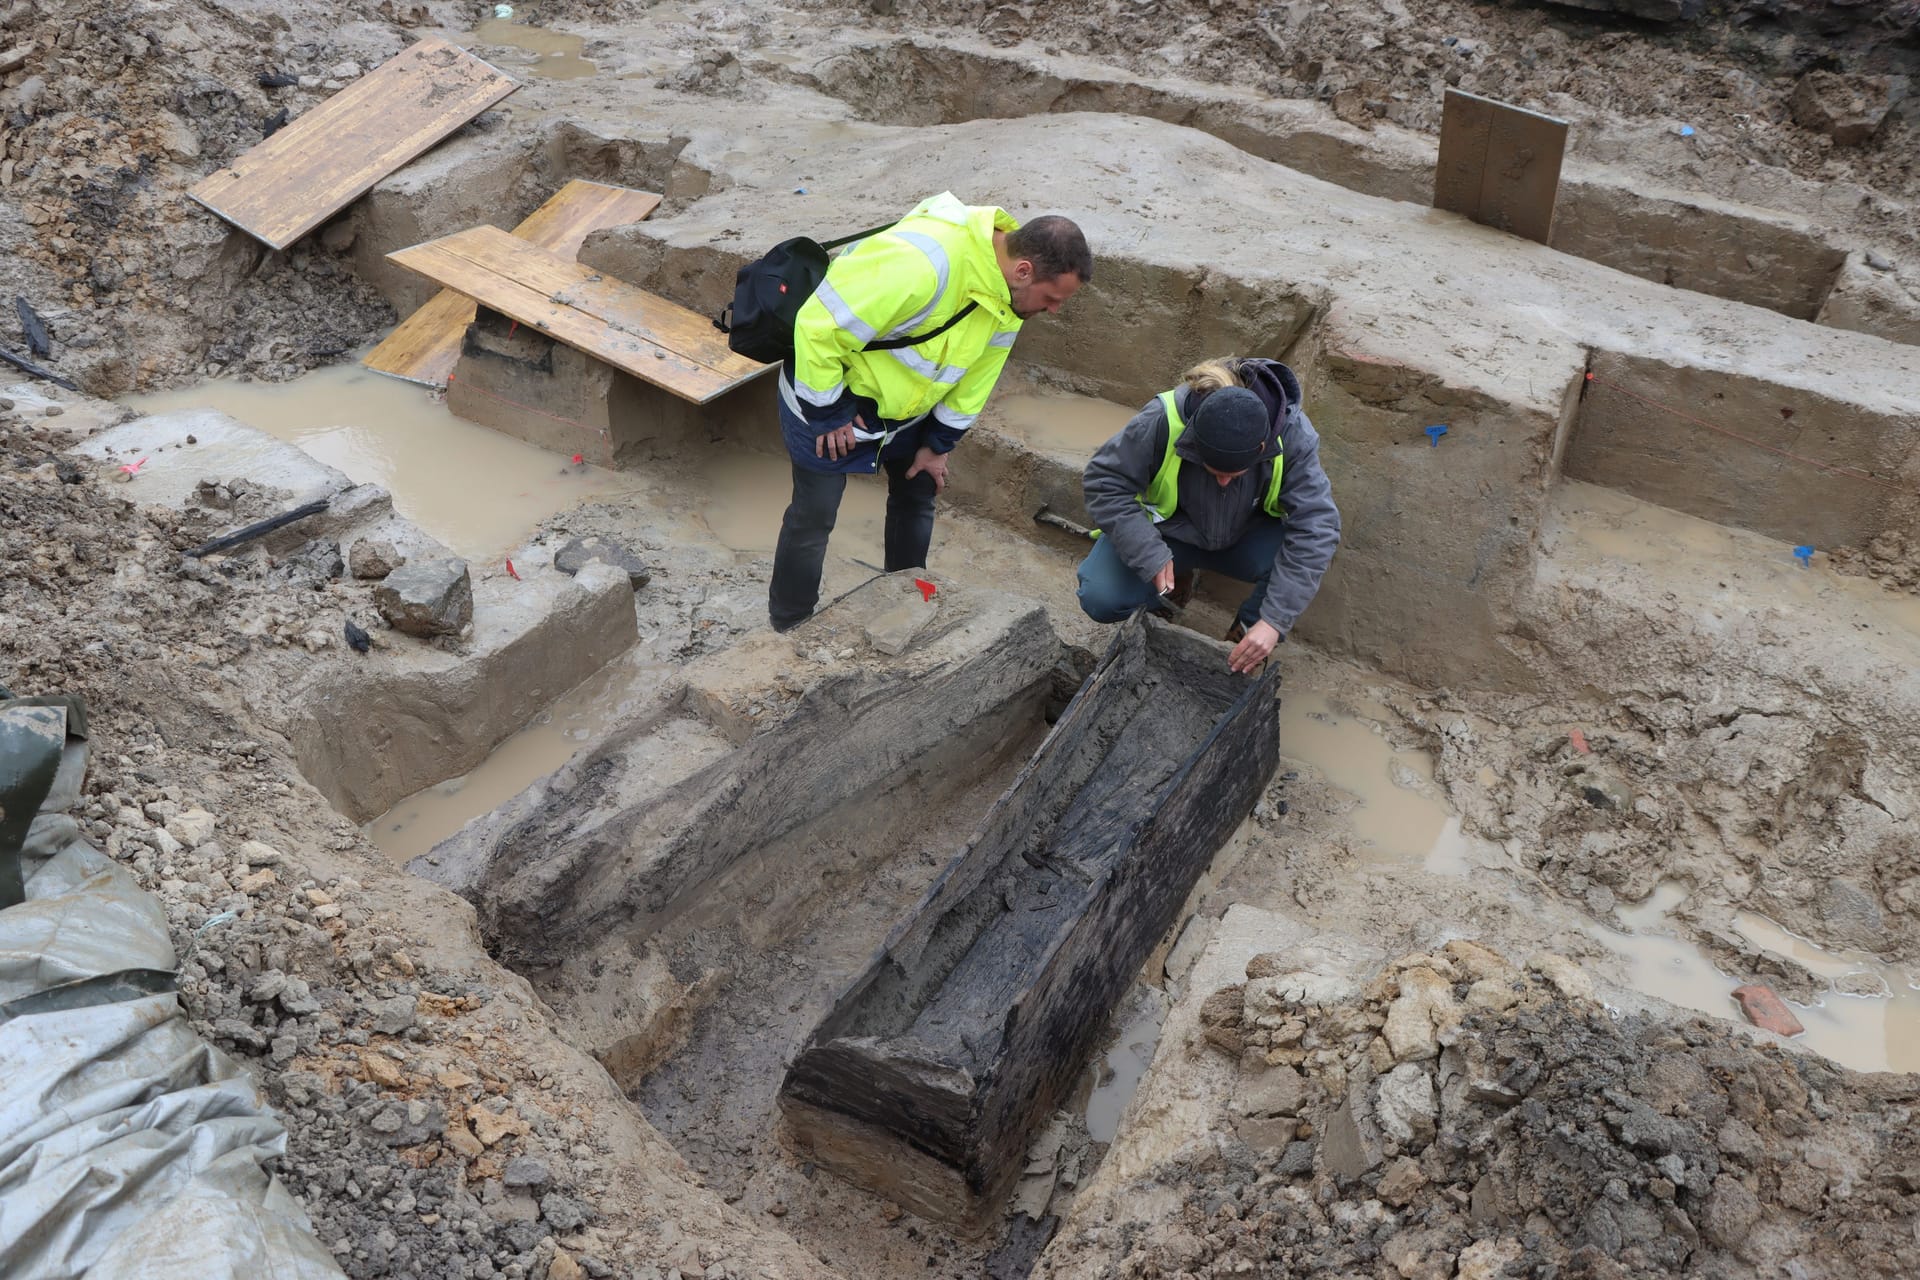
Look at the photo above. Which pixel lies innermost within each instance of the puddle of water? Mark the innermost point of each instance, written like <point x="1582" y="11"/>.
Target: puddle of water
<point x="1749" y="570"/>
<point x="1061" y="423"/>
<point x="748" y="494"/>
<point x="1887" y="1027"/>
<point x="1866" y="1033"/>
<point x="474" y="489"/>
<point x="1126" y="1062"/>
<point x="549" y="740"/>
<point x="1399" y="818"/>
<point x="558" y="52"/>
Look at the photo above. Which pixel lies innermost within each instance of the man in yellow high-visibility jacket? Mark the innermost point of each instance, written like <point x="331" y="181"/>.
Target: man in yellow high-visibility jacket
<point x="964" y="276"/>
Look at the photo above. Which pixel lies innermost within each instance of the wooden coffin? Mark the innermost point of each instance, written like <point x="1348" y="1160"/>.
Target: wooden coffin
<point x="971" y="1023"/>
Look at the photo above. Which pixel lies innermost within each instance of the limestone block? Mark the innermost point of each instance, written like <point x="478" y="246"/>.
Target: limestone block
<point x="1279" y="1091"/>
<point x="1424" y="1006"/>
<point x="434" y="598"/>
<point x="1405" y="1106"/>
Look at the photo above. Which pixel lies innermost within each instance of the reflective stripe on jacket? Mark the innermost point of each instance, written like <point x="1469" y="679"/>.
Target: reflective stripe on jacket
<point x="1162" y="497"/>
<point x="910" y="279"/>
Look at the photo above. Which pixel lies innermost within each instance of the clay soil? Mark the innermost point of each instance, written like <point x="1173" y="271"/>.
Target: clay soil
<point x="442" y="1126"/>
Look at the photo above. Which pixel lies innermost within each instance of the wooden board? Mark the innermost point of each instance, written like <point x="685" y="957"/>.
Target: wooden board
<point x="1499" y="165"/>
<point x="426" y="345"/>
<point x="655" y="340"/>
<point x="332" y="155"/>
<point x="927" y="1079"/>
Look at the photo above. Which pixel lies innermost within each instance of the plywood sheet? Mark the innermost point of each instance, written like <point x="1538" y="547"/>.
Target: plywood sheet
<point x="655" y="340"/>
<point x="1499" y="164"/>
<point x="332" y="155"/>
<point x="426" y="345"/>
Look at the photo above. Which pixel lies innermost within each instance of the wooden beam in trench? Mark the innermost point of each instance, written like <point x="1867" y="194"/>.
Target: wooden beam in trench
<point x="640" y="333"/>
<point x="426" y="345"/>
<point x="319" y="164"/>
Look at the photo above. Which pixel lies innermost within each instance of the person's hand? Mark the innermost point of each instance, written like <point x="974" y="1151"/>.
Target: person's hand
<point x="934" y="464"/>
<point x="840" y="441"/>
<point x="1163" y="580"/>
<point x="1253" y="648"/>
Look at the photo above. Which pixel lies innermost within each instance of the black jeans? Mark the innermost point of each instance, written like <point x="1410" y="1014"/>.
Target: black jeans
<point x="802" y="551"/>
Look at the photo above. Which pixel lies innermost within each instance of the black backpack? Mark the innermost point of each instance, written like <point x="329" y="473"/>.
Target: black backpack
<point x="769" y="292"/>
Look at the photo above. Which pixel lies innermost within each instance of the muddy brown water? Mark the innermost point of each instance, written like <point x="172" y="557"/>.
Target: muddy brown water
<point x="556" y="54"/>
<point x="1865" y="1032"/>
<point x="475" y="490"/>
<point x="1057" y="422"/>
<point x="1400" y="816"/>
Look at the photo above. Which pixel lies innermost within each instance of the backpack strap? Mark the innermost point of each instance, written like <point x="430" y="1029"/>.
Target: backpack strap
<point x="858" y="235"/>
<point x="894" y="344"/>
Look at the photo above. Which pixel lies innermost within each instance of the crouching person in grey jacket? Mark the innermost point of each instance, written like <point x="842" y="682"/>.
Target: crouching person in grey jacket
<point x="1222" y="473"/>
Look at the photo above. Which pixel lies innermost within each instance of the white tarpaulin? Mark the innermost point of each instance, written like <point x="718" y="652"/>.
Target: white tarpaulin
<point x="129" y="1148"/>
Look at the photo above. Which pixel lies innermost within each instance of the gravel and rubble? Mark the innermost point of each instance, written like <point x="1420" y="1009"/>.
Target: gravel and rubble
<point x="1464" y="1115"/>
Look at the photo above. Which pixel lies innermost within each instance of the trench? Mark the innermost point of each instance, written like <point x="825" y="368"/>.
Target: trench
<point x="1717" y="248"/>
<point x="696" y="1010"/>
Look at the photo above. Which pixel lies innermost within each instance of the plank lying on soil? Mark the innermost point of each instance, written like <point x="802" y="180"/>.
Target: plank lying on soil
<point x="316" y="166"/>
<point x="426" y="345"/>
<point x="928" y="1076"/>
<point x="635" y="331"/>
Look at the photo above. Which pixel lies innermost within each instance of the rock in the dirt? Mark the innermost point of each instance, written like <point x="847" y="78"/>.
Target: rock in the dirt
<point x="1567" y="977"/>
<point x="434" y="598"/>
<point x="1488" y="1259"/>
<point x="192" y="828"/>
<point x="526" y="1171"/>
<point x="581" y="552"/>
<point x="1277" y="1091"/>
<point x="1424" y="1006"/>
<point x="1349" y="1142"/>
<point x="391" y="1017"/>
<point x="1847" y="108"/>
<point x="1406" y="1105"/>
<point x="1731" y="1210"/>
<point x="1401" y="1180"/>
<point x="563" y="1213"/>
<point x="367" y="559"/>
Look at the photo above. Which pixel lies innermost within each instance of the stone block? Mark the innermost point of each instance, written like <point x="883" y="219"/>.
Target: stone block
<point x="432" y="598"/>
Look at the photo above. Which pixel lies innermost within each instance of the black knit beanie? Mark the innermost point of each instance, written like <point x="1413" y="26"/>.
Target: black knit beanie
<point x="1230" y="429"/>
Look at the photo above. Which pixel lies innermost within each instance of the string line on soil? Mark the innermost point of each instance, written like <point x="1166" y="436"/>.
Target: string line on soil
<point x="1851" y="472"/>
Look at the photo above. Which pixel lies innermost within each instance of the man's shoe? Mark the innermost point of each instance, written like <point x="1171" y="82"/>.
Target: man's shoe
<point x="1237" y="632"/>
<point x="1183" y="584"/>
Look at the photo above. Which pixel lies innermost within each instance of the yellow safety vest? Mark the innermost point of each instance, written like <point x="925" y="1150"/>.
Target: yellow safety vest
<point x="943" y="250"/>
<point x="1163" y="491"/>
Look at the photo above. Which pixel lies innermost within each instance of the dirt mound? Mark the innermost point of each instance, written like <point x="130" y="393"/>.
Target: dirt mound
<point x="114" y="112"/>
<point x="1465" y="1117"/>
<point x="1731" y="77"/>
